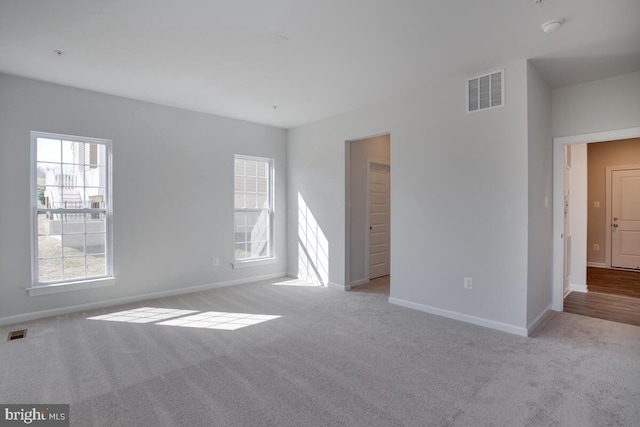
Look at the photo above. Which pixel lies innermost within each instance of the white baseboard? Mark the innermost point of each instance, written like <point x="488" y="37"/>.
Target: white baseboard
<point x="566" y="292"/>
<point x="505" y="327"/>
<point x="538" y="321"/>
<point x="18" y="318"/>
<point x="337" y="286"/>
<point x="359" y="282"/>
<point x="578" y="288"/>
<point x="597" y="264"/>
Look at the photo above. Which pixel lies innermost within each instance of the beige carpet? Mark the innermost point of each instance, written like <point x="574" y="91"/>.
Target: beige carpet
<point x="331" y="359"/>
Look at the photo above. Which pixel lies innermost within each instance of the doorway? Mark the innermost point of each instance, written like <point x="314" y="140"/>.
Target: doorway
<point x="601" y="266"/>
<point x="368" y="225"/>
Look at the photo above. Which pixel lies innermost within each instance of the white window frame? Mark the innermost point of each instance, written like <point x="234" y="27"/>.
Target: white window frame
<point x="256" y="261"/>
<point x="65" y="285"/>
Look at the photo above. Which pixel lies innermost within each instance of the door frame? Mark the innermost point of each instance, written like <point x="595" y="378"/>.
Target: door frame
<point x="568" y="211"/>
<point x="367" y="265"/>
<point x="347" y="204"/>
<point x="609" y="194"/>
<point x="558" y="201"/>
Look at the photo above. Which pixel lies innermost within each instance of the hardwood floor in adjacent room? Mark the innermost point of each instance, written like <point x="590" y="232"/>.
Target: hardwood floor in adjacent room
<point x="613" y="295"/>
<point x="617" y="282"/>
<point x="617" y="308"/>
<point x="380" y="286"/>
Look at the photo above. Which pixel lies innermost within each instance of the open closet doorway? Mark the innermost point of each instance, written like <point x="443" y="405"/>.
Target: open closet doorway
<point x="368" y="226"/>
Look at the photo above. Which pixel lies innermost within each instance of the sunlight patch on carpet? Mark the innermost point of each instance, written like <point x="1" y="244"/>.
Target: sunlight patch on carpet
<point x="186" y="318"/>
<point x="296" y="282"/>
<point x="143" y="315"/>
<point x="218" y="320"/>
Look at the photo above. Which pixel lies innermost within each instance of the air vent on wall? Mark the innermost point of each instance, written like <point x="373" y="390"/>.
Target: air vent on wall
<point x="486" y="91"/>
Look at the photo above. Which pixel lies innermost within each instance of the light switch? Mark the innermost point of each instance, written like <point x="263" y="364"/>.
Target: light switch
<point x="596" y="204"/>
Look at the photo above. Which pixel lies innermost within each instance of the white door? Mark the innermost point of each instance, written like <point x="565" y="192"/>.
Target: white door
<point x="625" y="218"/>
<point x="378" y="220"/>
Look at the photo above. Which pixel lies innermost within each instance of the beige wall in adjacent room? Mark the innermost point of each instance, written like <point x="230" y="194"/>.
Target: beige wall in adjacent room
<point x="600" y="156"/>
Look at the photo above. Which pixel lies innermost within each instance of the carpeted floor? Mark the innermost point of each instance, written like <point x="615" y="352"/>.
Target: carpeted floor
<point x="332" y="359"/>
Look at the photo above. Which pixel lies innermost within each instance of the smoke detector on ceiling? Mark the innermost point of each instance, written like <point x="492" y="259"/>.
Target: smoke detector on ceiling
<point x="551" y="26"/>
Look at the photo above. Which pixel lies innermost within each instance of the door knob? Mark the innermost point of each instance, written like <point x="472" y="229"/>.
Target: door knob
<point x="615" y="225"/>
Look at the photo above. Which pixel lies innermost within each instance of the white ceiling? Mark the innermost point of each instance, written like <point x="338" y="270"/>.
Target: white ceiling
<point x="226" y="57"/>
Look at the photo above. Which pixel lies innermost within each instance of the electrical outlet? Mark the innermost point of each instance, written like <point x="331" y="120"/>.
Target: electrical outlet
<point x="596" y="204"/>
<point x="468" y="283"/>
<point x="596" y="247"/>
<point x="216" y="261"/>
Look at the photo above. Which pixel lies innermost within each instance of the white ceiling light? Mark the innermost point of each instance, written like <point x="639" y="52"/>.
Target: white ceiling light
<point x="551" y="26"/>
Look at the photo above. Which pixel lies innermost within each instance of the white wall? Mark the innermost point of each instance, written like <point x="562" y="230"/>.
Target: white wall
<point x="540" y="153"/>
<point x="578" y="221"/>
<point x="359" y="153"/>
<point x="459" y="197"/>
<point x="603" y="105"/>
<point x="173" y="191"/>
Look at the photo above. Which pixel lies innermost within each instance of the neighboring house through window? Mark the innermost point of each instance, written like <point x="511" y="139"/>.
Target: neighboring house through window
<point x="253" y="201"/>
<point x="72" y="209"/>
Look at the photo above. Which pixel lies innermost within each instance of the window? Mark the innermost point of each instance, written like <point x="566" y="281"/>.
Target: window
<point x="253" y="190"/>
<point x="71" y="209"/>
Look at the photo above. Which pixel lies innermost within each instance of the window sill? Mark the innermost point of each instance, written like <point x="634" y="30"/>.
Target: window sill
<point x="69" y="287"/>
<point x="253" y="263"/>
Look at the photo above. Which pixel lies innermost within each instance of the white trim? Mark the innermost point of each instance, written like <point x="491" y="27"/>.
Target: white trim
<point x="566" y="292"/>
<point x="154" y="295"/>
<point x="538" y="321"/>
<point x="558" y="291"/>
<point x="338" y="287"/>
<point x="505" y="327"/>
<point x="611" y="135"/>
<point x="255" y="262"/>
<point x="70" y="286"/>
<point x="359" y="282"/>
<point x="558" y="194"/>
<point x="578" y="288"/>
<point x="608" y="191"/>
<point x="597" y="264"/>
